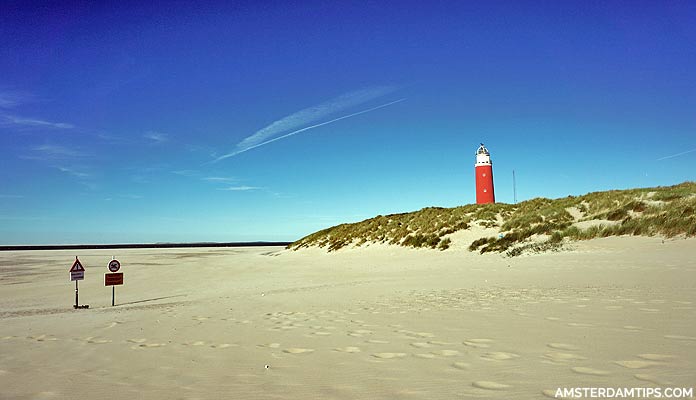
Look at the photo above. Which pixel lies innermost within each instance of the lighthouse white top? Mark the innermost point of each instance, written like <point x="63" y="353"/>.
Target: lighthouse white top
<point x="483" y="157"/>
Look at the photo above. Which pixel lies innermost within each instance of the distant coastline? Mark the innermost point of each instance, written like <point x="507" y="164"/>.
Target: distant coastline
<point x="139" y="246"/>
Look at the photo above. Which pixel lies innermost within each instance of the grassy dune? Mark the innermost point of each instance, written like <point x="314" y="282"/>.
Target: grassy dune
<point x="538" y="224"/>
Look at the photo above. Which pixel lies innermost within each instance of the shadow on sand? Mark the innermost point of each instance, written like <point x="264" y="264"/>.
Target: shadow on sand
<point x="154" y="299"/>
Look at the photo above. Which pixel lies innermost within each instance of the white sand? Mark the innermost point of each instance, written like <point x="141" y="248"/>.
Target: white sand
<point x="378" y="322"/>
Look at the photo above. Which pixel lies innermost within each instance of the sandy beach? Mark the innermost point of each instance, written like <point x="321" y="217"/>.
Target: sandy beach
<point x="375" y="323"/>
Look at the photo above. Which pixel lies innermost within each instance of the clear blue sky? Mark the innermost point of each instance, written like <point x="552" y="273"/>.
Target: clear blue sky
<point x="186" y="121"/>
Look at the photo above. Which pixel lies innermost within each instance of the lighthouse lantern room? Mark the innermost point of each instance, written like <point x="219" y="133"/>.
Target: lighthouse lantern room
<point x="484" y="176"/>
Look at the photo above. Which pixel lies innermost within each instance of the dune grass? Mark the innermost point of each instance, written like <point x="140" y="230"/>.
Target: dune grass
<point x="534" y="225"/>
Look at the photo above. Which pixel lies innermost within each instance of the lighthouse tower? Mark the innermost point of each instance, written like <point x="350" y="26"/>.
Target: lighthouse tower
<point x="484" y="176"/>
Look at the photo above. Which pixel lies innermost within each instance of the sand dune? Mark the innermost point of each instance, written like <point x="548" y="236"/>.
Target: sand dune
<point x="379" y="322"/>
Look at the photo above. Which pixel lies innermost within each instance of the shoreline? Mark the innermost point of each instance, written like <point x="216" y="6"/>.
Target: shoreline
<point x="140" y="246"/>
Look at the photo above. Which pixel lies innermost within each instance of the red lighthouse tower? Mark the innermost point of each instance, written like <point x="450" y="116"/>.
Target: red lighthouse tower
<point x="484" y="176"/>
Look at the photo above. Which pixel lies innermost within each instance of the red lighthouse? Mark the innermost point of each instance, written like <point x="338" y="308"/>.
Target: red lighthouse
<point x="484" y="176"/>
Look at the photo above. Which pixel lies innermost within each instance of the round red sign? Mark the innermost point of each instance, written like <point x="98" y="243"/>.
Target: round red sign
<point x="114" y="265"/>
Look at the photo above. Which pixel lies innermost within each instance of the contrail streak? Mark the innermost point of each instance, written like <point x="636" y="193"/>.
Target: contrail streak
<point x="306" y="129"/>
<point x="676" y="155"/>
<point x="313" y="114"/>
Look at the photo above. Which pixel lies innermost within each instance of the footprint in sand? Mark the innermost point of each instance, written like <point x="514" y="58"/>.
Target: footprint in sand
<point x="653" y="379"/>
<point x="589" y="371"/>
<point x="223" y="345"/>
<point x="196" y="343"/>
<point x="152" y="345"/>
<point x="43" y="338"/>
<point x="680" y="337"/>
<point x="446" y="353"/>
<point x="321" y="333"/>
<point x="439" y="343"/>
<point x="461" y="365"/>
<point x="415" y="334"/>
<point x="637" y="364"/>
<point x="98" y="341"/>
<point x="349" y="349"/>
<point x="421" y="345"/>
<point x="562" y="346"/>
<point x="376" y="341"/>
<point x="655" y="357"/>
<point x="45" y="395"/>
<point x="649" y="310"/>
<point x="552" y="394"/>
<point x="478" y="343"/>
<point x="359" y="333"/>
<point x="386" y="356"/>
<point x="632" y="328"/>
<point x="425" y="355"/>
<point x="563" y="357"/>
<point x="270" y="345"/>
<point x="552" y="319"/>
<point x="137" y="340"/>
<point x="580" y="324"/>
<point x="297" y="350"/>
<point x="490" y="385"/>
<point x="499" y="356"/>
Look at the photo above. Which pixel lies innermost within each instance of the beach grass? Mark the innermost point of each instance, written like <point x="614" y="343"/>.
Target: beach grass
<point x="535" y="225"/>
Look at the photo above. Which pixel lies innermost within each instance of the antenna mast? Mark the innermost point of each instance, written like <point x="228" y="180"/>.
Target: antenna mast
<point x="514" y="186"/>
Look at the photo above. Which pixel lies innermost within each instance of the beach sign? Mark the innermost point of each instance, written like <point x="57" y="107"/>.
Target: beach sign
<point x="114" y="278"/>
<point x="77" y="271"/>
<point x="114" y="265"/>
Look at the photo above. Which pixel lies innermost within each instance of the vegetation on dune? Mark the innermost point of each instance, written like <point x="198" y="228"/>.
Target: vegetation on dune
<point x="535" y="225"/>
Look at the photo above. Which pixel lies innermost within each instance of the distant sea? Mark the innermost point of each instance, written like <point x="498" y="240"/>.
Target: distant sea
<point x="139" y="245"/>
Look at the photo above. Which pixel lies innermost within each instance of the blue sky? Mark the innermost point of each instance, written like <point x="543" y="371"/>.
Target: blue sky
<point x="266" y="120"/>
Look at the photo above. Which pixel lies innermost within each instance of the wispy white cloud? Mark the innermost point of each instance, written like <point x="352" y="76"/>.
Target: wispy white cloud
<point x="240" y="188"/>
<point x="676" y="155"/>
<point x="189" y="173"/>
<point x="309" y="115"/>
<point x="12" y="98"/>
<point x="33" y="123"/>
<point x="74" y="172"/>
<point x="54" y="151"/>
<point x="219" y="179"/>
<point x="156" y="137"/>
<point x="67" y="160"/>
<point x="247" y="148"/>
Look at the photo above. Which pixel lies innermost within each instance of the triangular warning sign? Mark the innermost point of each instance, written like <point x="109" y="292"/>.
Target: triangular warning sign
<point x="76" y="267"/>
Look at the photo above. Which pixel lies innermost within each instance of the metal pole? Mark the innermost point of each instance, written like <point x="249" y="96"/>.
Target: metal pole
<point x="76" y="302"/>
<point x="514" y="186"/>
<point x="113" y="295"/>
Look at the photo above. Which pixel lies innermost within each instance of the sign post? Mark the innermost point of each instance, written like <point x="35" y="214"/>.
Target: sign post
<point x="77" y="273"/>
<point x="114" y="278"/>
